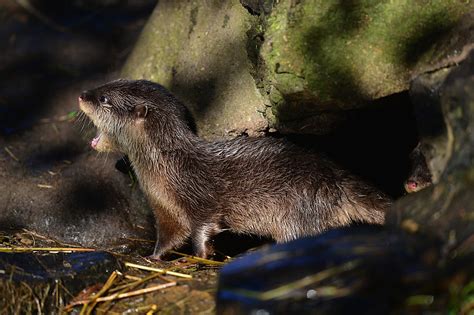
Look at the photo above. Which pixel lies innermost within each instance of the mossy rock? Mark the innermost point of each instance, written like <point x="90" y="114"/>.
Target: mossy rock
<point x="341" y="54"/>
<point x="246" y="66"/>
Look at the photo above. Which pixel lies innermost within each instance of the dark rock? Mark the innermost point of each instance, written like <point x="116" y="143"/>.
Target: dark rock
<point x="44" y="282"/>
<point x="75" y="270"/>
<point x="358" y="270"/>
<point x="447" y="209"/>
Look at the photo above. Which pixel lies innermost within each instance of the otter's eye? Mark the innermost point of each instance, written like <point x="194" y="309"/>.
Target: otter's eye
<point x="103" y="99"/>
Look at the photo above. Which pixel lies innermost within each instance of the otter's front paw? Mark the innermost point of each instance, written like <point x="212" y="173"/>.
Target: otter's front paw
<point x="154" y="257"/>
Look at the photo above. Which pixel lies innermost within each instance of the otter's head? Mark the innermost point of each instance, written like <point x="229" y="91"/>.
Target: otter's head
<point x="420" y="175"/>
<point x="128" y="113"/>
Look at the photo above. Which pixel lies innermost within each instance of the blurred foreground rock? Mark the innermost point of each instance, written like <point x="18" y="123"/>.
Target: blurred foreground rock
<point x="359" y="270"/>
<point x="447" y="208"/>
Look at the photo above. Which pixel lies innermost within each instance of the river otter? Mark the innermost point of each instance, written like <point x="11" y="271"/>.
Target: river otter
<point x="261" y="186"/>
<point x="420" y="175"/>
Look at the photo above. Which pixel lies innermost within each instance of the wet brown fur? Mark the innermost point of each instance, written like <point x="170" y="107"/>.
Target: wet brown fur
<point x="262" y="186"/>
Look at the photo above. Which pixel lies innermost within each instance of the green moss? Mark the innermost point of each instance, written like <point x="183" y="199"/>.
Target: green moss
<point x="352" y="51"/>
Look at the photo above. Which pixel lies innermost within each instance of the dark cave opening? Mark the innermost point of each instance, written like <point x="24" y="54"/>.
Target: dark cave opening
<point x="373" y="142"/>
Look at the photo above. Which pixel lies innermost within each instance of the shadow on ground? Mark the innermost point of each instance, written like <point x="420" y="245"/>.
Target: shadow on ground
<point x="51" y="181"/>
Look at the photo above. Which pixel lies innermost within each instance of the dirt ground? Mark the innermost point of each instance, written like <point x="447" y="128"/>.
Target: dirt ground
<point x="51" y="181"/>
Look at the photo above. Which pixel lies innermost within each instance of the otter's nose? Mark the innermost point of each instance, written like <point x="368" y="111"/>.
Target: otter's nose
<point x="84" y="95"/>
<point x="411" y="186"/>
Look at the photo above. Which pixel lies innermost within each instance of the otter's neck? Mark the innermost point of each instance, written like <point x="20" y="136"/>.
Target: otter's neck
<point x="159" y="135"/>
<point x="165" y="158"/>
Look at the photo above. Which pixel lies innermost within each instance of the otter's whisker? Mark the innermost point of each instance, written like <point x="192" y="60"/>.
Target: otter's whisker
<point x="106" y="159"/>
<point x="82" y="120"/>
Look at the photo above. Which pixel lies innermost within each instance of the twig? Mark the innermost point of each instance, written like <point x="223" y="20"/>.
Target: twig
<point x="128" y="294"/>
<point x="101" y="292"/>
<point x="49" y="239"/>
<point x="137" y="292"/>
<point x="129" y="277"/>
<point x="133" y="285"/>
<point x="45" y="249"/>
<point x="163" y="271"/>
<point x="45" y="186"/>
<point x="10" y="153"/>
<point x="199" y="259"/>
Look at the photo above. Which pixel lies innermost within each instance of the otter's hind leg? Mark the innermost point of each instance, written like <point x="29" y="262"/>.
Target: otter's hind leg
<point x="200" y="239"/>
<point x="169" y="235"/>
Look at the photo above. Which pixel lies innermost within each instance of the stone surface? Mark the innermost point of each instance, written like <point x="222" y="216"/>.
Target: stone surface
<point x="358" y="270"/>
<point x="293" y="65"/>
<point x="203" y="60"/>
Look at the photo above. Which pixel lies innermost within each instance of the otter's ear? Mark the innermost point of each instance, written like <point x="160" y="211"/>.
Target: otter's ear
<point x="140" y="111"/>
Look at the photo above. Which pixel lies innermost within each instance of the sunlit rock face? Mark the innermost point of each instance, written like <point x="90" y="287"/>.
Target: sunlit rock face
<point x="292" y="65"/>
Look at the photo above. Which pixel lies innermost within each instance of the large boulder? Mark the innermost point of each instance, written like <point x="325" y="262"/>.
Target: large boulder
<point x="248" y="66"/>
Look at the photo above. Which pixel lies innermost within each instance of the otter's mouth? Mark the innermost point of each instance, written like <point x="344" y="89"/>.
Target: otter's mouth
<point x="103" y="143"/>
<point x="95" y="142"/>
<point x="412" y="186"/>
<point x="86" y="107"/>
